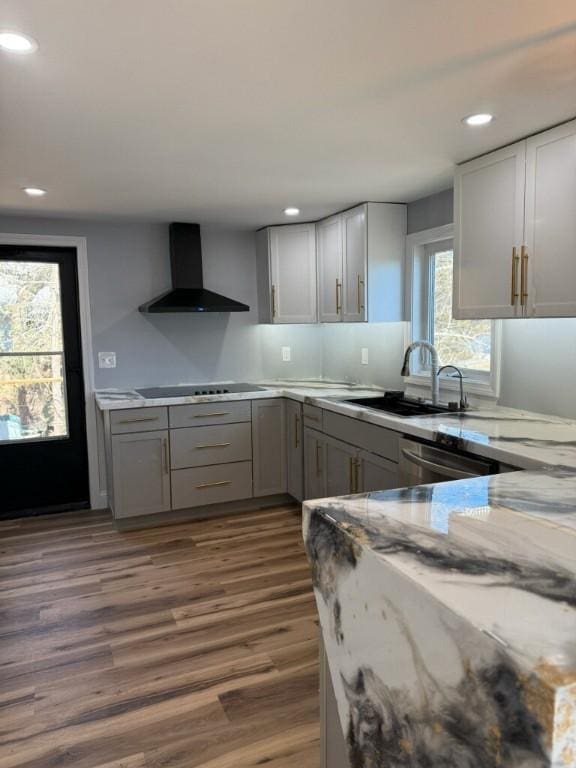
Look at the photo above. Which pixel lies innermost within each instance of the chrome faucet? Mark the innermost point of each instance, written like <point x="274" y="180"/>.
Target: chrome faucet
<point x="463" y="398"/>
<point x="433" y="365"/>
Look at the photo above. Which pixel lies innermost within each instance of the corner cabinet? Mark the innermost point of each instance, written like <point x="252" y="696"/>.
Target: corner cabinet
<point x="361" y="264"/>
<point x="286" y="262"/>
<point x="515" y="230"/>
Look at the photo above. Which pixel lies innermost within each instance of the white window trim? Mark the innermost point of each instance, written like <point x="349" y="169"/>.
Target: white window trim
<point x="487" y="388"/>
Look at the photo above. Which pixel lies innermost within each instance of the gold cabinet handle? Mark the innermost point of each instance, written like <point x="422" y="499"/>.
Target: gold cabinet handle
<point x="134" y="420"/>
<point x="318" y="466"/>
<point x="524" y="276"/>
<point x="338" y="297"/>
<point x="296" y="427"/>
<point x="273" y="301"/>
<point x="351" y="473"/>
<point x="360" y="289"/>
<point x="357" y="476"/>
<point x="514" y="289"/>
<point x="211" y="445"/>
<point x="311" y="417"/>
<point x="207" y="415"/>
<point x="213" y="485"/>
<point x="165" y="454"/>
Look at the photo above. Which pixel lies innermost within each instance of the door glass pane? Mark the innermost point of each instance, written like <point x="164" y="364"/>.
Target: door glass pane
<point x="465" y="343"/>
<point x="30" y="313"/>
<point x="32" y="380"/>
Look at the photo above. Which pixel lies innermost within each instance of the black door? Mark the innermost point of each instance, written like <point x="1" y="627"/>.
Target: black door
<point x="43" y="454"/>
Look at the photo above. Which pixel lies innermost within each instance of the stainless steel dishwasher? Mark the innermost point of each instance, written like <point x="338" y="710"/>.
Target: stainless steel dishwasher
<point x="421" y="463"/>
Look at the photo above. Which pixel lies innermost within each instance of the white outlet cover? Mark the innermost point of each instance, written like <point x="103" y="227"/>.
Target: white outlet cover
<point x="364" y="356"/>
<point x="286" y="354"/>
<point x="107" y="359"/>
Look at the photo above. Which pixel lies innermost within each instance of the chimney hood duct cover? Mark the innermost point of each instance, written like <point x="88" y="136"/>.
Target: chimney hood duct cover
<point x="188" y="293"/>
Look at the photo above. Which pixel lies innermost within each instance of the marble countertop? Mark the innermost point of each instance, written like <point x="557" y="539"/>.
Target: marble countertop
<point x="523" y="439"/>
<point x="449" y="618"/>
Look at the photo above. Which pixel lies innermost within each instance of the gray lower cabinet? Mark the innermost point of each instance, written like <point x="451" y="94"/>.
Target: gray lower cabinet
<point x="314" y="464"/>
<point x="200" y="486"/>
<point x="340" y="467"/>
<point x="269" y="446"/>
<point x="333" y="750"/>
<point x="294" y="450"/>
<point x="375" y="473"/>
<point x="140" y="473"/>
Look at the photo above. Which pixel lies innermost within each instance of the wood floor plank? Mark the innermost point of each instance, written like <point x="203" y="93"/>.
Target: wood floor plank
<point x="181" y="646"/>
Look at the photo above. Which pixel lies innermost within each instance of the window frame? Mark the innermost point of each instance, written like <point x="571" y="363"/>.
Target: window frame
<point x="418" y="303"/>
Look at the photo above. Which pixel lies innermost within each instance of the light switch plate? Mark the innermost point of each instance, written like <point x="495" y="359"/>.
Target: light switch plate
<point x="364" y="356"/>
<point x="286" y="354"/>
<point x="107" y="359"/>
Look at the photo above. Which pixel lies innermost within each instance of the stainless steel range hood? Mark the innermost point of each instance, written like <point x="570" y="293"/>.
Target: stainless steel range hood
<point x="188" y="293"/>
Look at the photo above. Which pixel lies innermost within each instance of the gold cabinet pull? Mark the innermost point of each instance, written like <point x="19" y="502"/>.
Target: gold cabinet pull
<point x="213" y="485"/>
<point x="351" y="475"/>
<point x="296" y="426"/>
<point x="318" y="466"/>
<point x="514" y="290"/>
<point x="136" y="419"/>
<point x="524" y="276"/>
<point x="338" y="301"/>
<point x="360" y="289"/>
<point x="356" y="475"/>
<point x="211" y="445"/>
<point x="165" y="454"/>
<point x="209" y="415"/>
<point x="273" y="301"/>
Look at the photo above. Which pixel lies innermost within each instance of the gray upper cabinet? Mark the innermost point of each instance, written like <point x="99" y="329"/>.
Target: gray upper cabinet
<point x="269" y="447"/>
<point x="286" y="259"/>
<point x="294" y="449"/>
<point x="140" y="473"/>
<point x="515" y="230"/>
<point x="361" y="264"/>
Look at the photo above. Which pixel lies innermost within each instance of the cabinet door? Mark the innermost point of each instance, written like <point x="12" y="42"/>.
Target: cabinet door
<point x="550" y="263"/>
<point x="375" y="473"/>
<point x="355" y="265"/>
<point x="340" y="468"/>
<point x="489" y="225"/>
<point x="330" y="264"/>
<point x="141" y="473"/>
<point x="314" y="465"/>
<point x="293" y="273"/>
<point x="294" y="449"/>
<point x="269" y="447"/>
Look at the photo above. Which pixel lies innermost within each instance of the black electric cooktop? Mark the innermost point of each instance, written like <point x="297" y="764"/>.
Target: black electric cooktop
<point x="192" y="390"/>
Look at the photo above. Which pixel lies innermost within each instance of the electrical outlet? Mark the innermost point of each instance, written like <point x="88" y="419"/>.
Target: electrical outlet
<point x="106" y="359"/>
<point x="286" y="354"/>
<point x="364" y="356"/>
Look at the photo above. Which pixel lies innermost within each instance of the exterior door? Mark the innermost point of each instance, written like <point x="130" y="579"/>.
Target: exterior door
<point x="355" y="256"/>
<point x="550" y="257"/>
<point x="43" y="452"/>
<point x="489" y="233"/>
<point x="330" y="258"/>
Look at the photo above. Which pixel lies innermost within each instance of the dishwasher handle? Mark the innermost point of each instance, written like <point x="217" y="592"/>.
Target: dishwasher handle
<point x="441" y="469"/>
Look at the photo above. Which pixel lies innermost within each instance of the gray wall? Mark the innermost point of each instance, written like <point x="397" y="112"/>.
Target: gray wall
<point x="538" y="356"/>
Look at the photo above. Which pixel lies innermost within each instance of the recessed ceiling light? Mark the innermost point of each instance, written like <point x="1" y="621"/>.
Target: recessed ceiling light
<point x="291" y="211"/>
<point x="35" y="191"/>
<point x="16" y="43"/>
<point x="482" y="118"/>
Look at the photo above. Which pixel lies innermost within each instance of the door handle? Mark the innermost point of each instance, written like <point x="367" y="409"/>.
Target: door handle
<point x="514" y="289"/>
<point x="442" y="469"/>
<point x="356" y="475"/>
<point x="165" y="456"/>
<point x="318" y="467"/>
<point x="213" y="485"/>
<point x="211" y="445"/>
<point x="296" y="425"/>
<point x="360" y="289"/>
<point x="273" y="301"/>
<point x="338" y="301"/>
<point x="142" y="418"/>
<point x="351" y="477"/>
<point x="206" y="415"/>
<point x="524" y="276"/>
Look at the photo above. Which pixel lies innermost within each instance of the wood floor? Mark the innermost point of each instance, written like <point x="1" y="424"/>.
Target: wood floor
<point x="194" y="644"/>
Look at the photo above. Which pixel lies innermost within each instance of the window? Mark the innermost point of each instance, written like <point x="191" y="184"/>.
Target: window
<point x="472" y="345"/>
<point x="32" y="391"/>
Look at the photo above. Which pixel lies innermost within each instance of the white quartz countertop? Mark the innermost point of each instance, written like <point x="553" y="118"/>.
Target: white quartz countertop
<point x="448" y="614"/>
<point x="523" y="439"/>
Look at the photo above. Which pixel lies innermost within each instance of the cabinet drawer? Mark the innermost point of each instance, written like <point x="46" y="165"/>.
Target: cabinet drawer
<point x="138" y="420"/>
<point x="378" y="440"/>
<point x="202" y="446"/>
<point x="202" y="414"/>
<point x="211" y="485"/>
<point x="312" y="416"/>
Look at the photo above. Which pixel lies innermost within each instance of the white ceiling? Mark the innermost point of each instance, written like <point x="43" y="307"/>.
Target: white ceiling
<point x="228" y="110"/>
